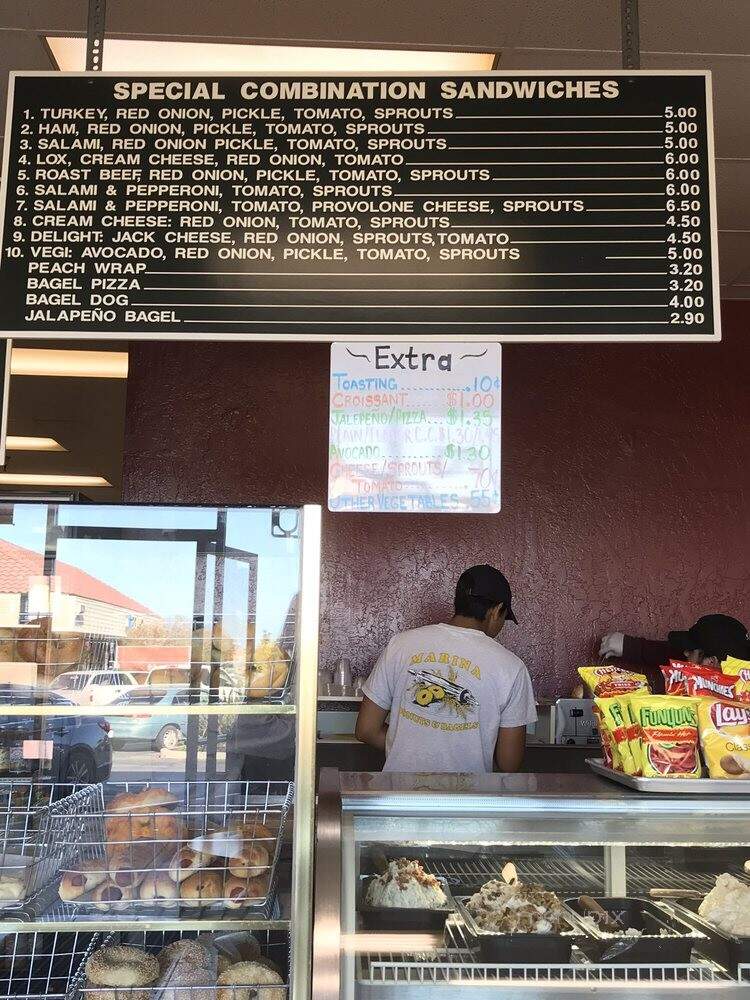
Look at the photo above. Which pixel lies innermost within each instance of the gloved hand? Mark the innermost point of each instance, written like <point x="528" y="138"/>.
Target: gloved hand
<point x="612" y="645"/>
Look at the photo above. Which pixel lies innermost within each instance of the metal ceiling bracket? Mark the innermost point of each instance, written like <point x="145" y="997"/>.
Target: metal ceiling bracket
<point x="631" y="44"/>
<point x="95" y="35"/>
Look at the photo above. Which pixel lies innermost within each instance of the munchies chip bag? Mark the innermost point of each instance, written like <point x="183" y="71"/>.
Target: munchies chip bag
<point x="609" y="681"/>
<point x="725" y="738"/>
<point x="668" y="736"/>
<point x="703" y="682"/>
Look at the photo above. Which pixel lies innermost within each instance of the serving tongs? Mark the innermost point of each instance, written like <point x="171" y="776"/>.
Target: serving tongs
<point x="676" y="894"/>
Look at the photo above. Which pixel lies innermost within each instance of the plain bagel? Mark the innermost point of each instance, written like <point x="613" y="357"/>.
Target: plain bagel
<point x="249" y="976"/>
<point x="122" y="965"/>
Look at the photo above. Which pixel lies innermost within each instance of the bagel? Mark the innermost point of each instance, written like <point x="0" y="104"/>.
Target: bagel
<point x="159" y="889"/>
<point x="93" y="992"/>
<point x="253" y="829"/>
<point x="87" y="876"/>
<point x="12" y="887"/>
<point x="202" y="888"/>
<point x="148" y="800"/>
<point x="110" y="896"/>
<point x="121" y="965"/>
<point x="186" y="861"/>
<point x="121" y="830"/>
<point x="240" y="892"/>
<point x="250" y="976"/>
<point x="251" y="862"/>
<point x="187" y="950"/>
<point x="180" y="980"/>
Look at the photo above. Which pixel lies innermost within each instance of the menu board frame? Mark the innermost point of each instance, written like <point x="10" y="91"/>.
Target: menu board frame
<point x="338" y="334"/>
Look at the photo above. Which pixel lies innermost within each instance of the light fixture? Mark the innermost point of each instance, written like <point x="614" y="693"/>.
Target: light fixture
<point x="15" y="442"/>
<point x="132" y="55"/>
<point x="69" y="364"/>
<point x="44" y="479"/>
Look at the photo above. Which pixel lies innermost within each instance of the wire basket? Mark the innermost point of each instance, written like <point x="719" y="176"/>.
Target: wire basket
<point x="42" y="825"/>
<point x="41" y="965"/>
<point x="172" y="984"/>
<point x="180" y="847"/>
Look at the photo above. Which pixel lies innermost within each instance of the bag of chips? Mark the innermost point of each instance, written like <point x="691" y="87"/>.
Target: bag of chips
<point x="611" y="729"/>
<point x="734" y="665"/>
<point x="609" y="681"/>
<point x="668" y="736"/>
<point x="725" y="738"/>
<point x="704" y="682"/>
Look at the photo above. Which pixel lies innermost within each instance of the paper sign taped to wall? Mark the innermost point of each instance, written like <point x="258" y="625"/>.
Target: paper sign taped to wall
<point x="414" y="428"/>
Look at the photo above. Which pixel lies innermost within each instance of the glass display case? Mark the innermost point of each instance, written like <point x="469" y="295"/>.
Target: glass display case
<point x="158" y="681"/>
<point x="647" y="860"/>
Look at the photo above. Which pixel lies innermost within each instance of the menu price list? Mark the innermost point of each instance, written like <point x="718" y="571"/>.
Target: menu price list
<point x="515" y="207"/>
<point x="414" y="428"/>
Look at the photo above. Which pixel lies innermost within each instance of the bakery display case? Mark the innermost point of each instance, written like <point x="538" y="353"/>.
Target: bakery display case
<point x="528" y="886"/>
<point x="158" y="682"/>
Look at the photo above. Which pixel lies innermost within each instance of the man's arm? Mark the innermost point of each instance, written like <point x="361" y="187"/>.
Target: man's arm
<point x="509" y="748"/>
<point x="371" y="727"/>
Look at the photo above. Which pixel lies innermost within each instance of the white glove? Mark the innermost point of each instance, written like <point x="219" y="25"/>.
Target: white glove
<point x="612" y="645"/>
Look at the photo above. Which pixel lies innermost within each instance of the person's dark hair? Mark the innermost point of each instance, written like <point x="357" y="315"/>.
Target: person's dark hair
<point x="466" y="604"/>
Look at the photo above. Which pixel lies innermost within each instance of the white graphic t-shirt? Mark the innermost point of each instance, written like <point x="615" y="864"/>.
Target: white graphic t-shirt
<point x="449" y="690"/>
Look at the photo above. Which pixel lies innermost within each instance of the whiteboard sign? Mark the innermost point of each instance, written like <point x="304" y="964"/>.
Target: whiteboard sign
<point x="414" y="428"/>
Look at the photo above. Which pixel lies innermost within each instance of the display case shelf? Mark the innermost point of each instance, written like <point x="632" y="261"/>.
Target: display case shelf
<point x="570" y="834"/>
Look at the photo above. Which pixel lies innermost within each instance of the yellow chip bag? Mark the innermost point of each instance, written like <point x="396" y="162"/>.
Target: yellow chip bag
<point x="668" y="736"/>
<point x="725" y="738"/>
<point x="741" y="670"/>
<point x="609" y="730"/>
<point x="609" y="681"/>
<point x="734" y="665"/>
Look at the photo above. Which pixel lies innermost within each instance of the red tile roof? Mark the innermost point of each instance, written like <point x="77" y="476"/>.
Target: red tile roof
<point x="18" y="565"/>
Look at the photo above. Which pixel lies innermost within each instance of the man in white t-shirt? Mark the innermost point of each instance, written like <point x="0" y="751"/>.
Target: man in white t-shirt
<point x="458" y="700"/>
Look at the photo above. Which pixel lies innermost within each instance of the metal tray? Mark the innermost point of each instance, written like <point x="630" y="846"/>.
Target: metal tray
<point x="650" y="947"/>
<point x="403" y="918"/>
<point x="727" y="950"/>
<point x="672" y="786"/>
<point x="501" y="949"/>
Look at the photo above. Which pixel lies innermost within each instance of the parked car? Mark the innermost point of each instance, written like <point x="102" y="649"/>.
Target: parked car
<point x="93" y="687"/>
<point x="162" y="732"/>
<point x="81" y="748"/>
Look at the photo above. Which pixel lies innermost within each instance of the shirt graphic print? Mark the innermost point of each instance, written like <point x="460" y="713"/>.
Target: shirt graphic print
<point x="448" y="690"/>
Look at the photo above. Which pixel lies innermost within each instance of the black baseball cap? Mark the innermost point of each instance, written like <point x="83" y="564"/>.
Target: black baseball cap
<point x="716" y="635"/>
<point x="490" y="584"/>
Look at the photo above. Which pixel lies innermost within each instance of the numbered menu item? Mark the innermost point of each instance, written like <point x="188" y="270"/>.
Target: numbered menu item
<point x="414" y="428"/>
<point x="501" y="206"/>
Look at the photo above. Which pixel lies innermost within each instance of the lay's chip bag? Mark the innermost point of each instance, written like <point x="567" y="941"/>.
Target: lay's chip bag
<point x="668" y="736"/>
<point x="609" y="681"/>
<point x="734" y="665"/>
<point x="725" y="738"/>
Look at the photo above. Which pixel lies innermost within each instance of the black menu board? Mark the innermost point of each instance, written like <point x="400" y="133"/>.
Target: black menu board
<point x="514" y="207"/>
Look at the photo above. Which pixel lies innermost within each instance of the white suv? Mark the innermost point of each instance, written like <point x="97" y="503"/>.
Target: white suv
<point x="93" y="687"/>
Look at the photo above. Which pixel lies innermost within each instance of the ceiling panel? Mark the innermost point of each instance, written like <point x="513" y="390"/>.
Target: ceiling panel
<point x="426" y="23"/>
<point x="695" y="25"/>
<point x="19" y="50"/>
<point x="585" y="24"/>
<point x="531" y="59"/>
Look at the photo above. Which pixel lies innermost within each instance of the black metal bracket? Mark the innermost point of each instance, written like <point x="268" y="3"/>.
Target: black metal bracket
<point x="631" y="43"/>
<point x="95" y="35"/>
